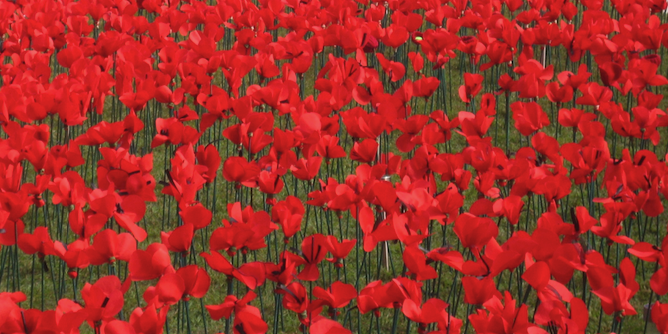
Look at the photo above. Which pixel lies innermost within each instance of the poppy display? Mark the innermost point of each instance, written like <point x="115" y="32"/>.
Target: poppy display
<point x="333" y="166"/>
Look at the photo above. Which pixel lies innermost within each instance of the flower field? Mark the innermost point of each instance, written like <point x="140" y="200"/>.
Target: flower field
<point x="333" y="166"/>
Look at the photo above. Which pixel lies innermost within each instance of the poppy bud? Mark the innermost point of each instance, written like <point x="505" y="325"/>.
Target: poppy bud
<point x="72" y="273"/>
<point x="416" y="37"/>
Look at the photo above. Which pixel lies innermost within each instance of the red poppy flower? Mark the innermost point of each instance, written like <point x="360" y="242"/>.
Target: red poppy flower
<point x="150" y="264"/>
<point x="104" y="299"/>
<point x="339" y="250"/>
<point x="471" y="88"/>
<point x="109" y="246"/>
<point x="314" y="250"/>
<point x="529" y="117"/>
<point x="294" y="297"/>
<point x="475" y="232"/>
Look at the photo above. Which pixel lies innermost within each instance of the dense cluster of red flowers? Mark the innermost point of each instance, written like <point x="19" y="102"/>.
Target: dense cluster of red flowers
<point x="356" y="175"/>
